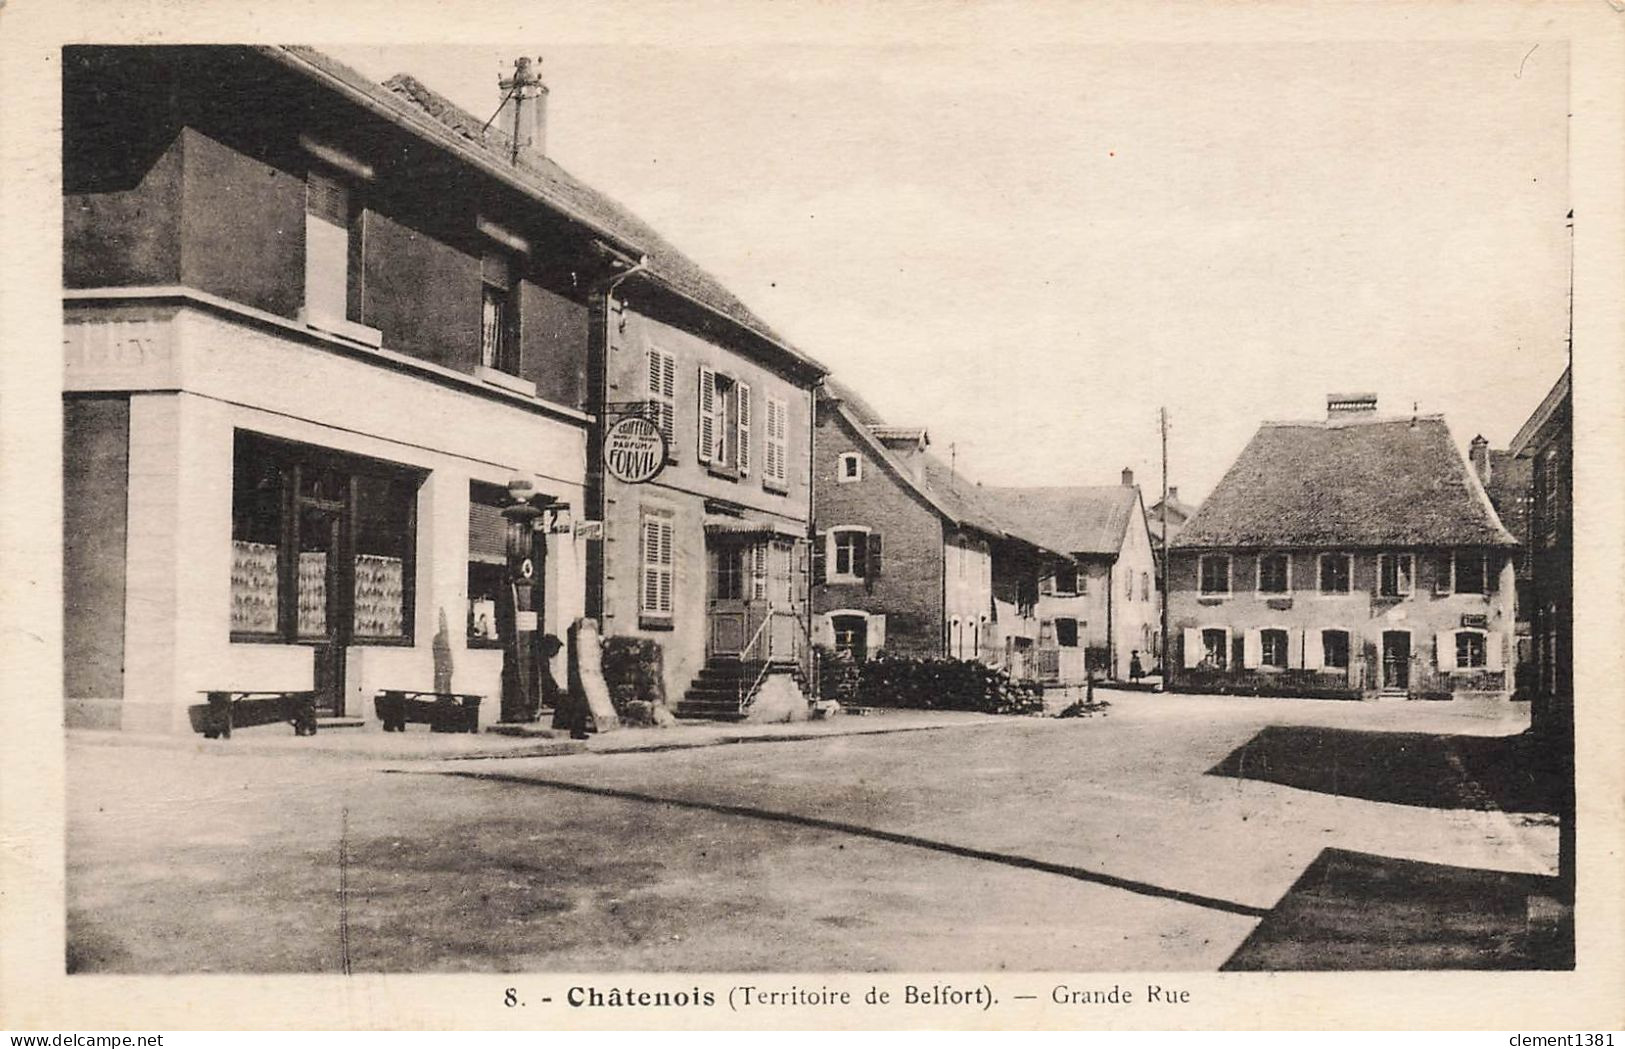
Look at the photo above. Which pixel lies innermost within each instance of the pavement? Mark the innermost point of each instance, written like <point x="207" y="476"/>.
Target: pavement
<point x="1124" y="841"/>
<point x="370" y="743"/>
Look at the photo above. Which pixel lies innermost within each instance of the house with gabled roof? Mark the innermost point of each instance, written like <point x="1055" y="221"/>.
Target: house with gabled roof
<point x="1099" y="607"/>
<point x="906" y="559"/>
<point x="1357" y="555"/>
<point x="913" y="559"/>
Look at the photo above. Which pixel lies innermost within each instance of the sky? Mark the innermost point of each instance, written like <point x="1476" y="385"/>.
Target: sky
<point x="1028" y="246"/>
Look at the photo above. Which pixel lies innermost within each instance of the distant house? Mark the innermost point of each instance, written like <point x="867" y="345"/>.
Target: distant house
<point x="1179" y="512"/>
<point x="1355" y="554"/>
<point x="1099" y="605"/>
<point x="906" y="560"/>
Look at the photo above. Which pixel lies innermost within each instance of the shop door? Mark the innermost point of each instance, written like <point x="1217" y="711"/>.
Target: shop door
<point x="323" y="612"/>
<point x="735" y="611"/>
<point x="1396" y="660"/>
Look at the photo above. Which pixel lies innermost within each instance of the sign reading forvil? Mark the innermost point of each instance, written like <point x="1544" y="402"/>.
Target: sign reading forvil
<point x="634" y="451"/>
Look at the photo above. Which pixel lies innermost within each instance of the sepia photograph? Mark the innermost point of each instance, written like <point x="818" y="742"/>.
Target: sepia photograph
<point x="1092" y="512"/>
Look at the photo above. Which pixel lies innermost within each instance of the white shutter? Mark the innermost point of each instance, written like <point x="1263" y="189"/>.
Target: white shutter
<point x="744" y="428"/>
<point x="649" y="592"/>
<point x="1494" y="657"/>
<point x="877" y="633"/>
<point x="1295" y="640"/>
<point x="665" y="566"/>
<point x="758" y="572"/>
<point x="662" y="388"/>
<point x="1445" y="650"/>
<point x="708" y="414"/>
<point x="823" y="632"/>
<point x="776" y="464"/>
<point x="1314" y="650"/>
<point x="1193" y="647"/>
<point x="1250" y="649"/>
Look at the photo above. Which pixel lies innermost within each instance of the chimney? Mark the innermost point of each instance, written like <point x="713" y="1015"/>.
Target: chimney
<point x="1128" y="478"/>
<point x="1343" y="405"/>
<point x="523" y="114"/>
<point x="1479" y="454"/>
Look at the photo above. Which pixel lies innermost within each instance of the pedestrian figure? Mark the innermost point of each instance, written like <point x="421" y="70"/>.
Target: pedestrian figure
<point x="1135" y="670"/>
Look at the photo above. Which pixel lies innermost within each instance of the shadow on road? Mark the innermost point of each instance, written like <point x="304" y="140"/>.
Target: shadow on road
<point x="1429" y="770"/>
<point x="893" y="837"/>
<point x="1356" y="911"/>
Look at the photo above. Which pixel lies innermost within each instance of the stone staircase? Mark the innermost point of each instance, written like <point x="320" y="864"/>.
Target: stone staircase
<point x="722" y="688"/>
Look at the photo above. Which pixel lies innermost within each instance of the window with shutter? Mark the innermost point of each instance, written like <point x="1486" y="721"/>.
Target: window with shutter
<point x="708" y="414"/>
<point x="499" y="318"/>
<point x="776" y="467"/>
<point x="655" y="585"/>
<point x="742" y="452"/>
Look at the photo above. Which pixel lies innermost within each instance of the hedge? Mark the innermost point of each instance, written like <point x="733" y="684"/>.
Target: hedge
<point x="927" y="684"/>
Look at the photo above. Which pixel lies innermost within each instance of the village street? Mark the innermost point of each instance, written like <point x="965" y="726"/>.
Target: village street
<point x="1095" y="844"/>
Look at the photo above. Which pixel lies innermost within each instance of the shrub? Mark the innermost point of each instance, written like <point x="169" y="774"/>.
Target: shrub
<point x="634" y="670"/>
<point x="942" y="684"/>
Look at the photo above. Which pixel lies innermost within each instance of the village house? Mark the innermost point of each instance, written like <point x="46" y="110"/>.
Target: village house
<point x="1355" y="555"/>
<point x="1098" y="607"/>
<point x="906" y="560"/>
<point x="1507" y="480"/>
<point x="916" y="561"/>
<point x="709" y="559"/>
<point x="1545" y="443"/>
<point x="336" y="371"/>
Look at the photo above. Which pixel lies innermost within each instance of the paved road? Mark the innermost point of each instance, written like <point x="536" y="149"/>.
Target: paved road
<point x="1092" y="844"/>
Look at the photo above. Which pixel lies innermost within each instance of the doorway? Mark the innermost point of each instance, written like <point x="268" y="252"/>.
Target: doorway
<point x="322" y="613"/>
<point x="1396" y="660"/>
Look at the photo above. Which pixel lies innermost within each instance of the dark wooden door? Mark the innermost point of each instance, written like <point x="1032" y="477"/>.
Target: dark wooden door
<point x="1396" y="659"/>
<point x="323" y="610"/>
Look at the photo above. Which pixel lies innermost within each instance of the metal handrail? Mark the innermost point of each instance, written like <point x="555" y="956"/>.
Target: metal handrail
<point x="749" y="697"/>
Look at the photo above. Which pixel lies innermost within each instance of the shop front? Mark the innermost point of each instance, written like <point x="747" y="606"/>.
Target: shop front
<point x="279" y="513"/>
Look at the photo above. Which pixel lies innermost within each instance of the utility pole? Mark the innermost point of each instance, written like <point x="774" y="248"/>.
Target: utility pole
<point x="1162" y="425"/>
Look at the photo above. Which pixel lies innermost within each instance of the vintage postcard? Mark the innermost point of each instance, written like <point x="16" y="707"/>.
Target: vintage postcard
<point x="1009" y="515"/>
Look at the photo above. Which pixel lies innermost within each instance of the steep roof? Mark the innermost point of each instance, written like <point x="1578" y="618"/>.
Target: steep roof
<point x="1358" y="483"/>
<point x="410" y="101"/>
<point x="1073" y="520"/>
<point x="962" y="500"/>
<point x="859" y="409"/>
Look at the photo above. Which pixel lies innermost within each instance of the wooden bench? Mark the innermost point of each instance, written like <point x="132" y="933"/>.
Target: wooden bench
<point x="228" y="709"/>
<point x="441" y="711"/>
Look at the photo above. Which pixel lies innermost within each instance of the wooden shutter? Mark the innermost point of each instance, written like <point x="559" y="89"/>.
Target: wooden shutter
<point x="662" y="389"/>
<point x="1193" y="647"/>
<point x="872" y="558"/>
<point x="649" y="555"/>
<point x="1494" y="656"/>
<point x="823" y="632"/>
<point x="877" y="633"/>
<point x="819" y="556"/>
<point x="1314" y="650"/>
<point x="758" y="571"/>
<point x="1295" y="641"/>
<point x="1251" y="649"/>
<point x="708" y="414"/>
<point x="743" y="439"/>
<point x="1445" y="650"/>
<point x="776" y="463"/>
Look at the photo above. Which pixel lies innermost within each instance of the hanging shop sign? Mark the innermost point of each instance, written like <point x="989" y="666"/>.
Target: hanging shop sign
<point x="634" y="451"/>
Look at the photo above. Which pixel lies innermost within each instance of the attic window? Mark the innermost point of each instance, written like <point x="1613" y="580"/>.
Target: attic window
<point x="1470" y="574"/>
<point x="1336" y="573"/>
<point x="850" y="468"/>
